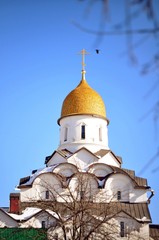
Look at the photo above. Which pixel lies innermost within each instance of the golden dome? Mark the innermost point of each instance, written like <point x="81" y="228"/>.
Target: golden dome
<point x="83" y="100"/>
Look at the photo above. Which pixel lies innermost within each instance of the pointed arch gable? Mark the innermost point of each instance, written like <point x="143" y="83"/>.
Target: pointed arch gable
<point x="109" y="158"/>
<point x="82" y="158"/>
<point x="56" y="158"/>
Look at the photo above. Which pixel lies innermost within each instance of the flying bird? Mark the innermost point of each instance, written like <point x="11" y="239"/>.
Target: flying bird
<point x="97" y="51"/>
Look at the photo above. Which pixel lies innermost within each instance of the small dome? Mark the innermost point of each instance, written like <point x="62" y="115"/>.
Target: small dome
<point x="83" y="100"/>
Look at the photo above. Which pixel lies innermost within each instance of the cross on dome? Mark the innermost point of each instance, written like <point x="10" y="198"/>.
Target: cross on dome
<point x="83" y="52"/>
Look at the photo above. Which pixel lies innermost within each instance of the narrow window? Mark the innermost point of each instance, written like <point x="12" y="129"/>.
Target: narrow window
<point x="83" y="131"/>
<point x="47" y="194"/>
<point x="122" y="229"/>
<point x="43" y="225"/>
<point x="119" y="195"/>
<point x="82" y="195"/>
<point x="100" y="134"/>
<point x="66" y="133"/>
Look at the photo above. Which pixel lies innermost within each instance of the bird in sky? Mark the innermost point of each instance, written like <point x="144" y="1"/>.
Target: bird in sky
<point x="97" y="51"/>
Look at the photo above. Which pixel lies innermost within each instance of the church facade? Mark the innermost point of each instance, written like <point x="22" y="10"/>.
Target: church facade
<point x="83" y="192"/>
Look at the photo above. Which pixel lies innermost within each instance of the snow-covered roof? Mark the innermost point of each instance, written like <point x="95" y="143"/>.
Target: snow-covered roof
<point x="29" y="180"/>
<point x="27" y="213"/>
<point x="30" y="212"/>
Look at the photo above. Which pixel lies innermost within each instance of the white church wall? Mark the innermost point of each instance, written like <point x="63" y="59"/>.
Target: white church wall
<point x="102" y="196"/>
<point x="44" y="182"/>
<point x="83" y="186"/>
<point x="65" y="169"/>
<point x="96" y="133"/>
<point x="56" y="159"/>
<point x="144" y="231"/>
<point x="7" y="221"/>
<point x="119" y="182"/>
<point x="124" y="184"/>
<point x="47" y="181"/>
<point x="109" y="159"/>
<point x="100" y="169"/>
<point x="39" y="220"/>
<point x="82" y="159"/>
<point x="132" y="229"/>
<point x="138" y="195"/>
<point x="28" y="194"/>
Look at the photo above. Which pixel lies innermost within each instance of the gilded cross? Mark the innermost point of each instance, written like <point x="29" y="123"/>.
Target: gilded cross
<point x="83" y="53"/>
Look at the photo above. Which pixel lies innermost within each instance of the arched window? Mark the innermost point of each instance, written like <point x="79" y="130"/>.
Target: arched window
<point x="43" y="224"/>
<point x="118" y="195"/>
<point x="47" y="194"/>
<point x="122" y="229"/>
<point x="83" y="132"/>
<point x="66" y="133"/>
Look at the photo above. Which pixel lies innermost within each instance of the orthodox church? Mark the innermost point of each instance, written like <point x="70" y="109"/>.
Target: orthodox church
<point x="83" y="190"/>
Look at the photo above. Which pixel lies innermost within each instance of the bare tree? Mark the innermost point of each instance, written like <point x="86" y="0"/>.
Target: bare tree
<point x="133" y="10"/>
<point x="79" y="212"/>
<point x="138" y="24"/>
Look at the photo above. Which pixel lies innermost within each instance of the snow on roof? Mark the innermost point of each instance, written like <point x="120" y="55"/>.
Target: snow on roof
<point x="38" y="172"/>
<point x="30" y="212"/>
<point x="27" y="213"/>
<point x="52" y="213"/>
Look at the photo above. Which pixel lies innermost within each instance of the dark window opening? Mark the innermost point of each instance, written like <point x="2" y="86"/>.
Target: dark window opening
<point x="83" y="131"/>
<point x="82" y="195"/>
<point x="47" y="194"/>
<point x="66" y="133"/>
<point x="122" y="229"/>
<point x="119" y="195"/>
<point x="43" y="224"/>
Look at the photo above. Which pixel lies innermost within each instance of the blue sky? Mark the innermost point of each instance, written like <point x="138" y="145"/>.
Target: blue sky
<point x="39" y="61"/>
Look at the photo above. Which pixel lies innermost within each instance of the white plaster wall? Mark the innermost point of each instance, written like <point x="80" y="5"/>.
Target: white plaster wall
<point x="133" y="229"/>
<point x="116" y="182"/>
<point x="85" y="183"/>
<point x="74" y="141"/>
<point x="102" y="196"/>
<point x="6" y="221"/>
<point x="100" y="170"/>
<point x="65" y="169"/>
<point x="109" y="159"/>
<point x="119" y="182"/>
<point x="43" y="182"/>
<point x="28" y="194"/>
<point x="138" y="195"/>
<point x="36" y="221"/>
<point x="56" y="159"/>
<point x="82" y="159"/>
